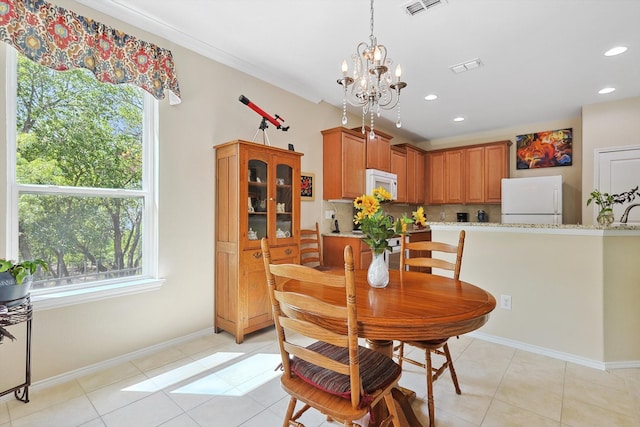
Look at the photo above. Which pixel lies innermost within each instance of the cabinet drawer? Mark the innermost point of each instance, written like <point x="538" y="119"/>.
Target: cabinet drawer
<point x="252" y="259"/>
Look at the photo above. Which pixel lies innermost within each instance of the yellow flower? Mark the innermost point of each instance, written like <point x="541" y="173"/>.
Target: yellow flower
<point x="419" y="216"/>
<point x="375" y="224"/>
<point x="381" y="194"/>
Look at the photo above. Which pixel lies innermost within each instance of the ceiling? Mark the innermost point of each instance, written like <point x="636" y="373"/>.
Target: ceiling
<point x="542" y="60"/>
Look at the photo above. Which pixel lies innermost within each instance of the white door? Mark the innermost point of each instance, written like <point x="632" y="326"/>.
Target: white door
<point x="617" y="170"/>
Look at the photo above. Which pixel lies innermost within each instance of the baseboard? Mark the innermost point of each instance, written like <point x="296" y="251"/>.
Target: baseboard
<point x="87" y="370"/>
<point x="567" y="357"/>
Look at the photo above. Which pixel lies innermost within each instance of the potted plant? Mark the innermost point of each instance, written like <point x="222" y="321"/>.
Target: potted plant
<point x="16" y="278"/>
<point x="606" y="201"/>
<point x="377" y="227"/>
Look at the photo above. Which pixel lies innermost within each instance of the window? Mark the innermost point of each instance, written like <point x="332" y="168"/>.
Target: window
<point x="82" y="177"/>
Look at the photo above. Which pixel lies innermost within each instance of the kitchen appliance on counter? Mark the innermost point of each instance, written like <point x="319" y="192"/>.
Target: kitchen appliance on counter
<point x="377" y="178"/>
<point x="482" y="216"/>
<point x="535" y="200"/>
<point x="462" y="217"/>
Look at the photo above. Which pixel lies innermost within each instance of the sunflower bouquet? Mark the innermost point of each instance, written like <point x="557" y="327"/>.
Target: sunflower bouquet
<point x="374" y="223"/>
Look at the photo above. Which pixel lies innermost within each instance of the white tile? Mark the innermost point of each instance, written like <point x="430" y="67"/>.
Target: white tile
<point x="148" y="412"/>
<point x="73" y="412"/>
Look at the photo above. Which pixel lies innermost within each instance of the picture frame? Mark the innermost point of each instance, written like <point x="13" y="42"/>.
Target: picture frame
<point x="307" y="186"/>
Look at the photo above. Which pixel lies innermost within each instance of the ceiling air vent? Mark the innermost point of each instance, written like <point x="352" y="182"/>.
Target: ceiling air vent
<point x="417" y="6"/>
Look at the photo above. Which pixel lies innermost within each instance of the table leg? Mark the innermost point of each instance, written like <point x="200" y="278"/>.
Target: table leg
<point x="401" y="395"/>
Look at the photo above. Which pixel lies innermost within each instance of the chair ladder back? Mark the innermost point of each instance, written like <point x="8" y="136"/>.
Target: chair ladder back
<point x="311" y="247"/>
<point x="433" y="261"/>
<point x="286" y="304"/>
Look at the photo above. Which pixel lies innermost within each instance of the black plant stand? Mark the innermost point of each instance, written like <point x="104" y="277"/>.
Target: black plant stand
<point x="19" y="314"/>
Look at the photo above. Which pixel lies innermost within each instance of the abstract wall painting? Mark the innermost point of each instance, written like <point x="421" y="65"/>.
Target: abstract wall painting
<point x="544" y="149"/>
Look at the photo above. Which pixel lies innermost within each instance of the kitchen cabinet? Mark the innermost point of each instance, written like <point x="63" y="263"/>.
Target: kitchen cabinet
<point x="399" y="167"/>
<point x="344" y="164"/>
<point x="415" y="175"/>
<point x="485" y="166"/>
<point x="333" y="251"/>
<point x="471" y="174"/>
<point x="408" y="163"/>
<point x="445" y="171"/>
<point x="435" y="172"/>
<point x="257" y="195"/>
<point x="378" y="149"/>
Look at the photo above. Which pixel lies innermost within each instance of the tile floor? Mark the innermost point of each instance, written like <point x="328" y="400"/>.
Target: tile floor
<point x="211" y="381"/>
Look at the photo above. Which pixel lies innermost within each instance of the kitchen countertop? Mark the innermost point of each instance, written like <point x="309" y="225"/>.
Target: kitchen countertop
<point x="633" y="229"/>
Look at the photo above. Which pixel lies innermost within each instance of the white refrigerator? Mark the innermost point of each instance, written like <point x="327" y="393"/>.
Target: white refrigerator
<point x="535" y="200"/>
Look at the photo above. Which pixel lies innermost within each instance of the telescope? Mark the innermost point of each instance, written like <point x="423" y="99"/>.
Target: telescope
<point x="264" y="115"/>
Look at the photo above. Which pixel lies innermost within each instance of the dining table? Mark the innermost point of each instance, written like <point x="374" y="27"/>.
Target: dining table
<point x="413" y="306"/>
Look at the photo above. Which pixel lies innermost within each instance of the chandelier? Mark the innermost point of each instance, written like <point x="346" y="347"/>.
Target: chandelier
<point x="371" y="85"/>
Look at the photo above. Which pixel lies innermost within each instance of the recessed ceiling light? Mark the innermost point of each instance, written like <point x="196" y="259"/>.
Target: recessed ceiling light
<point x="458" y="119"/>
<point x="606" y="90"/>
<point x="431" y="97"/>
<point x="615" y="51"/>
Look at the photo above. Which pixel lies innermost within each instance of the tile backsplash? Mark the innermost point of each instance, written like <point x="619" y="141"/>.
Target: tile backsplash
<point x="344" y="213"/>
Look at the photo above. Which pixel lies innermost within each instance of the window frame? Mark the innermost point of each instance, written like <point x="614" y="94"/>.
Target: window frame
<point x="74" y="294"/>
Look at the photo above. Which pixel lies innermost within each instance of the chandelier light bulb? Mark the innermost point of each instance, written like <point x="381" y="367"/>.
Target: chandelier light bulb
<point x="398" y="72"/>
<point x="345" y="67"/>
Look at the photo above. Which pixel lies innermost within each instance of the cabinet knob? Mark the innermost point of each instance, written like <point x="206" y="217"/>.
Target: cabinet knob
<point x="288" y="251"/>
<point x="257" y="255"/>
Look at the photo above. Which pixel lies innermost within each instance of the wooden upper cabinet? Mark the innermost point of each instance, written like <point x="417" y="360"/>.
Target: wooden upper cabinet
<point x="436" y="182"/>
<point x="399" y="167"/>
<point x="454" y="176"/>
<point x="415" y="175"/>
<point x="445" y="170"/>
<point x="474" y="165"/>
<point x="486" y="165"/>
<point x="344" y="163"/>
<point x="496" y="167"/>
<point x="378" y="149"/>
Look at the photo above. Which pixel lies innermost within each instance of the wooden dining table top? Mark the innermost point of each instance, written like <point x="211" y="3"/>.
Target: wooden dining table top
<point x="413" y="306"/>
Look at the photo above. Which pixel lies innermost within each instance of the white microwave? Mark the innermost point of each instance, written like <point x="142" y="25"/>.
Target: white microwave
<point x="377" y="178"/>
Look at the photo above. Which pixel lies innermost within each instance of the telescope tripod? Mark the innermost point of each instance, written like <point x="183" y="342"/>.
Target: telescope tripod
<point x="263" y="127"/>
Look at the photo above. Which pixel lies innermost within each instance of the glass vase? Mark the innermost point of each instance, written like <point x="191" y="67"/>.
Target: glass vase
<point x="378" y="272"/>
<point x="605" y="218"/>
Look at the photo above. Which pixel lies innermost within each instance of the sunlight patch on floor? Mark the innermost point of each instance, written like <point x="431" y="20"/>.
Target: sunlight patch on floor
<point x="237" y="379"/>
<point x="183" y="373"/>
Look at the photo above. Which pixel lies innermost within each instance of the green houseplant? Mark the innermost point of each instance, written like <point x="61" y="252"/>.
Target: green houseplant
<point x="15" y="279"/>
<point x="606" y="201"/>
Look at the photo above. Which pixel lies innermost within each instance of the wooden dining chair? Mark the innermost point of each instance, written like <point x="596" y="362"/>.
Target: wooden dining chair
<point x="438" y="346"/>
<point x="311" y="247"/>
<point x="333" y="374"/>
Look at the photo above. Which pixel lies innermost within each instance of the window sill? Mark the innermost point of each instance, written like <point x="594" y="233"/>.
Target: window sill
<point x="65" y="298"/>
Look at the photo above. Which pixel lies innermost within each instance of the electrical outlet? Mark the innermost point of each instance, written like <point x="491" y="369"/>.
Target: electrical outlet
<point x="505" y="302"/>
<point x="329" y="214"/>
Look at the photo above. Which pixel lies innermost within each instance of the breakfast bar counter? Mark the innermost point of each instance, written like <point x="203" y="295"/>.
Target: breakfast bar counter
<point x="573" y="289"/>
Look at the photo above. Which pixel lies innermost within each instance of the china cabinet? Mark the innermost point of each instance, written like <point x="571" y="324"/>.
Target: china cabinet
<point x="257" y="195"/>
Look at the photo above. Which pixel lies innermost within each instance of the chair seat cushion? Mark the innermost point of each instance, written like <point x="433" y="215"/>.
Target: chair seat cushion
<point x="377" y="371"/>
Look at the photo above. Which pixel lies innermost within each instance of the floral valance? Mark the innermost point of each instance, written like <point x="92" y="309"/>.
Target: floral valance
<point x="60" y="39"/>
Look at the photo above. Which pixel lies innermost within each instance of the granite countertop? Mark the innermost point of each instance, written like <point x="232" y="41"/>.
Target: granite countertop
<point x="512" y="227"/>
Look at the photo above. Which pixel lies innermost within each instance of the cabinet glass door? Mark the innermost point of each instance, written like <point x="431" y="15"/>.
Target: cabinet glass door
<point x="284" y="201"/>
<point x="258" y="200"/>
